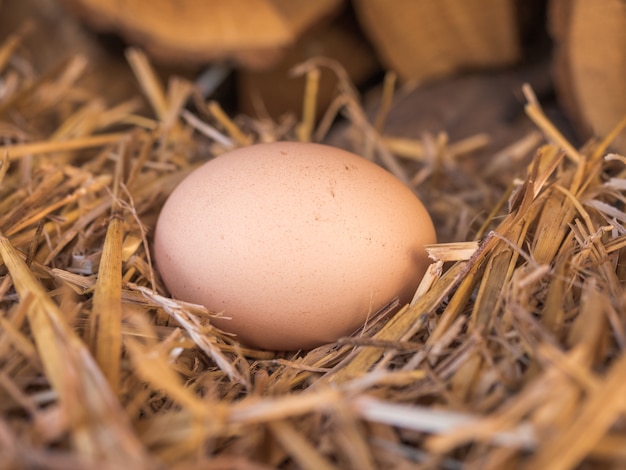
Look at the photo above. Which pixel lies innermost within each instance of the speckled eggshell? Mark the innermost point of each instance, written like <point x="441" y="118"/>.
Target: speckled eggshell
<point x="295" y="244"/>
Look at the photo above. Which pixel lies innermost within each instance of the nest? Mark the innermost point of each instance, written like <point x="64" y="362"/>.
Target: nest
<point x="512" y="354"/>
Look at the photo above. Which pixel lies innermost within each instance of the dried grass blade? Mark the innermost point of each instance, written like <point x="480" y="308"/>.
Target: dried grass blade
<point x="231" y="128"/>
<point x="200" y="339"/>
<point x="16" y="152"/>
<point x="119" y="113"/>
<point x="386" y="100"/>
<point x="498" y="271"/>
<point x="548" y="159"/>
<point x="253" y="410"/>
<point x="455" y="251"/>
<point x="471" y="276"/>
<point x="67" y="79"/>
<point x="468" y="145"/>
<point x="352" y="441"/>
<point x="152" y="366"/>
<point x="608" y="140"/>
<point x="43" y="314"/>
<point x="98" y="423"/>
<point x="144" y="155"/>
<point x="12" y="334"/>
<point x="106" y="314"/>
<point x="611" y="448"/>
<point x="396" y="328"/>
<point x="309" y="107"/>
<point x="81" y="222"/>
<point x="514" y="153"/>
<point x="4" y="166"/>
<point x="178" y="93"/>
<point x="574" y="364"/>
<point x="534" y="111"/>
<point x="82" y="122"/>
<point x="35" y="198"/>
<point x="27" y="91"/>
<point x="331" y="113"/>
<point x="39" y="215"/>
<point x="588" y="331"/>
<point x="407" y="148"/>
<point x="432" y="274"/>
<point x="567" y="449"/>
<point x="11" y="43"/>
<point x="552" y="227"/>
<point x="149" y="82"/>
<point x="503" y="420"/>
<point x="429" y="420"/>
<point x="307" y="457"/>
<point x="207" y="129"/>
<point x="355" y="113"/>
<point x="553" y="311"/>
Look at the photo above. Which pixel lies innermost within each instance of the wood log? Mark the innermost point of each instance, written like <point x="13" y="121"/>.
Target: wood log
<point x="590" y="63"/>
<point x="253" y="33"/>
<point x="422" y="39"/>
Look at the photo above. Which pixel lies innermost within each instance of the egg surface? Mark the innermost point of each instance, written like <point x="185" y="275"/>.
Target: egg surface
<point x="296" y="244"/>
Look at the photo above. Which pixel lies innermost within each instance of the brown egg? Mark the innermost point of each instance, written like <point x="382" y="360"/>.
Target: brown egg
<point x="295" y="244"/>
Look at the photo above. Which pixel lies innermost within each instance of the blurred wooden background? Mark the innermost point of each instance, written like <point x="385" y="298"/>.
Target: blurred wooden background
<point x="459" y="64"/>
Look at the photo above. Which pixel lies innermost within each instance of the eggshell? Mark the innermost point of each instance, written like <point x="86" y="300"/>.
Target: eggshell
<point x="295" y="244"/>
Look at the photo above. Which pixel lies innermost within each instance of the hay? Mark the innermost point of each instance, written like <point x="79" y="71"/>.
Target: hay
<point x="512" y="354"/>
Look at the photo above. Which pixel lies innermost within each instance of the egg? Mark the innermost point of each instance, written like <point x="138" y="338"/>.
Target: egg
<point x="295" y="244"/>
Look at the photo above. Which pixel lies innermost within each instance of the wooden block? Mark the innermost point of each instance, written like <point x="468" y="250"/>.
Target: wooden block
<point x="590" y="63"/>
<point x="253" y="33"/>
<point x="422" y="39"/>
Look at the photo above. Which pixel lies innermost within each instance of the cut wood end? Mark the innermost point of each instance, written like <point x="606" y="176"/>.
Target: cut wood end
<point x="589" y="64"/>
<point x="187" y="32"/>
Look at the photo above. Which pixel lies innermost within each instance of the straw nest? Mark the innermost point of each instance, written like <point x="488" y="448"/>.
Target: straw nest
<point x="512" y="355"/>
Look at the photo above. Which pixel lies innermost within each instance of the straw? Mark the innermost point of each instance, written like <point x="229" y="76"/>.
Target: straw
<point x="511" y="353"/>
